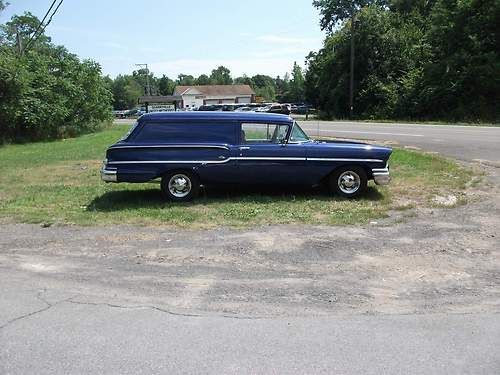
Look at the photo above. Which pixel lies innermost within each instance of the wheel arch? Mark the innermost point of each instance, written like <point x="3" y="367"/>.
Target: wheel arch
<point x="368" y="170"/>
<point x="179" y="169"/>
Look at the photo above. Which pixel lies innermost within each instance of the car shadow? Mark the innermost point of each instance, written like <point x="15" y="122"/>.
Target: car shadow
<point x="152" y="198"/>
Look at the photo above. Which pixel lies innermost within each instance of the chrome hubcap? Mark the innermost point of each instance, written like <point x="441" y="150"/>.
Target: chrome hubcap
<point x="179" y="185"/>
<point x="349" y="182"/>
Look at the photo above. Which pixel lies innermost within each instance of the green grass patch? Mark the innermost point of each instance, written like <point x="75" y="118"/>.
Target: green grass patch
<point x="58" y="182"/>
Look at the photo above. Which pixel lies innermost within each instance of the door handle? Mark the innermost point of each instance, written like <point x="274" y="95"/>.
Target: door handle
<point x="244" y="148"/>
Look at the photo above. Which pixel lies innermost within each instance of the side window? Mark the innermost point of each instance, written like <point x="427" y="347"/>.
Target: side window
<point x="132" y="128"/>
<point x="263" y="133"/>
<point x="298" y="135"/>
<point x="169" y="132"/>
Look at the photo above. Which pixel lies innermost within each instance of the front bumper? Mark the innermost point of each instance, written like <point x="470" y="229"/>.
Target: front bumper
<point x="381" y="176"/>
<point x="108" y="175"/>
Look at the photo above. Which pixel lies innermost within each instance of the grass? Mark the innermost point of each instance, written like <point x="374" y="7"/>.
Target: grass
<point x="58" y="182"/>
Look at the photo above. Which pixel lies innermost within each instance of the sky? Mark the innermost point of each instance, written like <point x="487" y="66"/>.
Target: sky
<point x="189" y="37"/>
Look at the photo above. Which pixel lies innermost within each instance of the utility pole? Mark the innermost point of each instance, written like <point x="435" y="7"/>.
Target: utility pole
<point x="351" y="78"/>
<point x="148" y="87"/>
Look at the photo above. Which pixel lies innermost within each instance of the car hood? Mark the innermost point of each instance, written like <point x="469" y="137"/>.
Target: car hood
<point x="329" y="148"/>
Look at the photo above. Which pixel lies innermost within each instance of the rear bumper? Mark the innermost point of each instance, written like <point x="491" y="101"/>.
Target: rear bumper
<point x="108" y="175"/>
<point x="381" y="176"/>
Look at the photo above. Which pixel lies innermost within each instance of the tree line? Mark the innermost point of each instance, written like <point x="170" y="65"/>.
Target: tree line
<point x="414" y="59"/>
<point x="126" y="88"/>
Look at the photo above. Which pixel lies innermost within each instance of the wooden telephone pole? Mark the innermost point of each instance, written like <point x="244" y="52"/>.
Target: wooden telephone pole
<point x="351" y="76"/>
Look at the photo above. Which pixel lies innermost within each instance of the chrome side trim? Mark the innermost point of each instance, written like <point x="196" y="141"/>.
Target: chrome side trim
<point x="239" y="158"/>
<point x="346" y="159"/>
<point x="266" y="158"/>
<point x="173" y="146"/>
<point x="170" y="161"/>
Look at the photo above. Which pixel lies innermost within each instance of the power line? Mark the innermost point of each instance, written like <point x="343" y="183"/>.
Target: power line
<point x="47" y="24"/>
<point x="41" y="23"/>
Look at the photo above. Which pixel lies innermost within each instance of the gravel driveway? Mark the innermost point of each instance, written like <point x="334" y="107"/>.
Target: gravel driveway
<point x="442" y="260"/>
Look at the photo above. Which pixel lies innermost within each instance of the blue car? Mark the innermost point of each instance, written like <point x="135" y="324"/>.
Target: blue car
<point x="192" y="149"/>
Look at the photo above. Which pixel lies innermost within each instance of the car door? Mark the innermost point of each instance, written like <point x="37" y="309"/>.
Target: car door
<point x="265" y="157"/>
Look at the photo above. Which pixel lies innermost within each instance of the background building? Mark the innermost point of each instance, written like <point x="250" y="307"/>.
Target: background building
<point x="194" y="96"/>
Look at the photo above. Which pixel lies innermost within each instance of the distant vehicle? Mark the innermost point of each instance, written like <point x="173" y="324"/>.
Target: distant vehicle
<point x="228" y="107"/>
<point x="209" y="107"/>
<point x="189" y="149"/>
<point x="127" y="113"/>
<point x="301" y="109"/>
<point x="243" y="109"/>
<point x="263" y="109"/>
<point x="283" y="109"/>
<point x="119" y="114"/>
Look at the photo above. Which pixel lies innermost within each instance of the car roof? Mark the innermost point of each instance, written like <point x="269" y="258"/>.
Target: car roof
<point x="220" y="116"/>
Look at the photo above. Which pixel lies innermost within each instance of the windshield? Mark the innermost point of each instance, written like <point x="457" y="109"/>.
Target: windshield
<point x="298" y="135"/>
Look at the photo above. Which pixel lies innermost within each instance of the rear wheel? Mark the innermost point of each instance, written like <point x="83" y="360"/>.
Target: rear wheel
<point x="349" y="181"/>
<point x="180" y="186"/>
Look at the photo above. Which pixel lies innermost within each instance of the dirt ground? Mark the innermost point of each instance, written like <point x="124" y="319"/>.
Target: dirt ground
<point x="439" y="260"/>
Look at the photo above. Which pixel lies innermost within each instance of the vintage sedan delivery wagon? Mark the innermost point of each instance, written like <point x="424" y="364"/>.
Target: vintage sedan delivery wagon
<point x="190" y="149"/>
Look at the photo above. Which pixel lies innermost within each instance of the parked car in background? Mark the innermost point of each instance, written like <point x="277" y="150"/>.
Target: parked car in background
<point x="264" y="108"/>
<point x="119" y="113"/>
<point x="190" y="149"/>
<point x="301" y="109"/>
<point x="210" y="107"/>
<point x="244" y="109"/>
<point x="131" y="112"/>
<point x="280" y="108"/>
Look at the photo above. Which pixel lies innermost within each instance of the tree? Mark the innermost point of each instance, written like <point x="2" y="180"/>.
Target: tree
<point x="126" y="91"/>
<point x="166" y="86"/>
<point x="461" y="80"/>
<point x="18" y="31"/>
<point x="185" y="80"/>
<point x="221" y="76"/>
<point x="203" y="80"/>
<point x="264" y="86"/>
<point x="261" y="80"/>
<point x="386" y="66"/>
<point x="146" y="80"/>
<point x="334" y="12"/>
<point x="3" y="5"/>
<point x="282" y="86"/>
<point x="296" y="86"/>
<point x="422" y="59"/>
<point x="47" y="92"/>
<point x="244" y="80"/>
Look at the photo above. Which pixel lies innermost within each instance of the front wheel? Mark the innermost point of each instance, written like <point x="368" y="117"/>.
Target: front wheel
<point x="181" y="186"/>
<point x="349" y="182"/>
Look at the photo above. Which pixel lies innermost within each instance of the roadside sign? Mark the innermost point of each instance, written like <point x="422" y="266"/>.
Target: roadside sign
<point x="156" y="107"/>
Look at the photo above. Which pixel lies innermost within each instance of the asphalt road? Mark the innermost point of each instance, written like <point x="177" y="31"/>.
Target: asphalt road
<point x="74" y="338"/>
<point x="462" y="142"/>
<point x="82" y="300"/>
